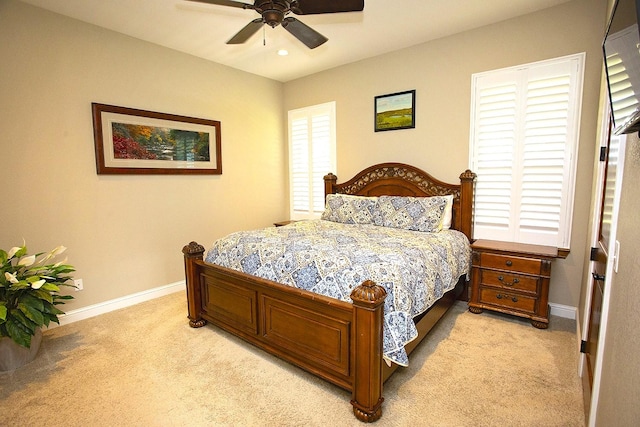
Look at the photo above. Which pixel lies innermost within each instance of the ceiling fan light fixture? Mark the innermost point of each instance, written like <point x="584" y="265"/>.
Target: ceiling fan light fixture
<point x="273" y="17"/>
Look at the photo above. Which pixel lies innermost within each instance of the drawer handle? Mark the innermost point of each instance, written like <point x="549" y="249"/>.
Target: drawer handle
<point x="509" y="263"/>
<point x="514" y="282"/>
<point x="500" y="296"/>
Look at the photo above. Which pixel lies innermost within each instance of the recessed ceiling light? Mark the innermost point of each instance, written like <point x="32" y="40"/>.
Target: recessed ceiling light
<point x="283" y="52"/>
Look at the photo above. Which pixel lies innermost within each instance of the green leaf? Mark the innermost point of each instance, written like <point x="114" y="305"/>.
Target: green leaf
<point x="18" y="334"/>
<point x="3" y="312"/>
<point x="30" y="300"/>
<point x="51" y="309"/>
<point x="43" y="295"/>
<point x="53" y="318"/>
<point x="50" y="287"/>
<point x="62" y="269"/>
<point x="17" y="316"/>
<point x="22" y="252"/>
<point x="32" y="313"/>
<point x="22" y="284"/>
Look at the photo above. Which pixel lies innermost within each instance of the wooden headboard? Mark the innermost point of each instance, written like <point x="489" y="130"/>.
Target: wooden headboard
<point x="398" y="179"/>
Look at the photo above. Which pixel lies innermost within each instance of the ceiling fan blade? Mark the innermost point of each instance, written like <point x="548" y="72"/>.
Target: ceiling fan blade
<point x="230" y="3"/>
<point x="250" y="29"/>
<point x="303" y="32"/>
<point x="312" y="7"/>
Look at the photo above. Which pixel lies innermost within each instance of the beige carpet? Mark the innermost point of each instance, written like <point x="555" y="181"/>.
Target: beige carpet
<point x="144" y="366"/>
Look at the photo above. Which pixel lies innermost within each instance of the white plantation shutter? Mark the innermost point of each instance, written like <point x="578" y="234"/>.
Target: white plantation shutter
<point x="312" y="156"/>
<point x="523" y="141"/>
<point x="494" y="153"/>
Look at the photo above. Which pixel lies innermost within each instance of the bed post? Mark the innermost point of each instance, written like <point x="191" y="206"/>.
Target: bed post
<point x="467" y="179"/>
<point x="330" y="181"/>
<point x="368" y="303"/>
<point x="193" y="252"/>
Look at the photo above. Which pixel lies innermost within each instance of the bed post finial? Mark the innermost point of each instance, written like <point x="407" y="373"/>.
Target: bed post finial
<point x="193" y="252"/>
<point x="330" y="181"/>
<point x="368" y="302"/>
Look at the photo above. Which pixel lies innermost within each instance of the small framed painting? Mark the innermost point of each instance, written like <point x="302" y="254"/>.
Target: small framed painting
<point x="395" y="111"/>
<point x="130" y="141"/>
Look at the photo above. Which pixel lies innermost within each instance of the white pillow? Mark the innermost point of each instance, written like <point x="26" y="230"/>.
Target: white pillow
<point x="448" y="211"/>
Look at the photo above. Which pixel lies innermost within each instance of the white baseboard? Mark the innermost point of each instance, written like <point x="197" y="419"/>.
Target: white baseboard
<point x="565" y="311"/>
<point x="118" y="303"/>
<point x="560" y="310"/>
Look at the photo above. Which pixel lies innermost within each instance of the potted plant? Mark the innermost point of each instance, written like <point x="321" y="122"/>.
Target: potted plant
<point x="29" y="294"/>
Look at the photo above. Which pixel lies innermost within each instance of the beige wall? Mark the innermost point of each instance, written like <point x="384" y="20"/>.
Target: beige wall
<point x="618" y="399"/>
<point x="124" y="233"/>
<point x="440" y="71"/>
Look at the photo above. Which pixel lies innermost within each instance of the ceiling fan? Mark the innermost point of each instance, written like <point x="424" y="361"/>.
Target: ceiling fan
<point x="274" y="13"/>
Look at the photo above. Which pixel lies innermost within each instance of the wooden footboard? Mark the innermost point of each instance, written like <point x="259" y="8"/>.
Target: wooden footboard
<point x="332" y="339"/>
<point x="335" y="340"/>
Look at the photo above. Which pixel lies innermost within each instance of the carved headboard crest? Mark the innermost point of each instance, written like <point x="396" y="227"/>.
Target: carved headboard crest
<point x="405" y="173"/>
<point x="427" y="185"/>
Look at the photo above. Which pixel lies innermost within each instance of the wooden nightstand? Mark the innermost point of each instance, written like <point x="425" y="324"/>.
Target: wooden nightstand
<point x="512" y="278"/>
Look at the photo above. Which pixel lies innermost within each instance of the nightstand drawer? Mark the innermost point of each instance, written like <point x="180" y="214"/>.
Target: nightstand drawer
<point x="504" y="280"/>
<point x="511" y="300"/>
<point x="511" y="263"/>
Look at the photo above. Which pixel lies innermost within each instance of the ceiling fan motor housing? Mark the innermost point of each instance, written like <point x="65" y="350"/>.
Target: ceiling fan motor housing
<point x="272" y="11"/>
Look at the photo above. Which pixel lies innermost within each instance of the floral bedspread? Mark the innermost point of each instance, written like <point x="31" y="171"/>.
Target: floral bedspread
<point x="329" y="258"/>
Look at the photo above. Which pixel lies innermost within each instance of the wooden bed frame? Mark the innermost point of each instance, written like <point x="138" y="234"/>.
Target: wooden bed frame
<point x="335" y="340"/>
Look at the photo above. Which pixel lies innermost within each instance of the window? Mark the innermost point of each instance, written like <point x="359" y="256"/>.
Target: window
<point x="312" y="148"/>
<point x="524" y="139"/>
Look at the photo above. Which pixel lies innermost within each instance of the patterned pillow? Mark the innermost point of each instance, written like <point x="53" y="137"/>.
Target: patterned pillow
<point x="348" y="209"/>
<point x="410" y="213"/>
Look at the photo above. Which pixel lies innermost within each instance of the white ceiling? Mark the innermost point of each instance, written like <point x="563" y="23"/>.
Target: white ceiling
<point x="202" y="29"/>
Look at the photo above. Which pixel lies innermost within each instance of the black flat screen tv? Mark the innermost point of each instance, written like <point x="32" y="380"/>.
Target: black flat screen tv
<point x="621" y="49"/>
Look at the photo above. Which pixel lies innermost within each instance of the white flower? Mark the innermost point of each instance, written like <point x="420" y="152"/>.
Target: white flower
<point x="10" y="277"/>
<point x="53" y="253"/>
<point x="38" y="284"/>
<point x="12" y="252"/>
<point x="27" y="261"/>
<point x="59" y="263"/>
<point x="58" y="250"/>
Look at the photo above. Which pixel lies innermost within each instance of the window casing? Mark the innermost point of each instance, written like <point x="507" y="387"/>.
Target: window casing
<point x="524" y="141"/>
<point x="312" y="155"/>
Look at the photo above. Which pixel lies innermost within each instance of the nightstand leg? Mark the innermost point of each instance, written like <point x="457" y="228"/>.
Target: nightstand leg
<point x="475" y="310"/>
<point x="539" y="325"/>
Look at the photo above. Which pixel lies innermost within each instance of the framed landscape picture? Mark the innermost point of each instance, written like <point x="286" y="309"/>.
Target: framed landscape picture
<point x="130" y="141"/>
<point x="395" y="111"/>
